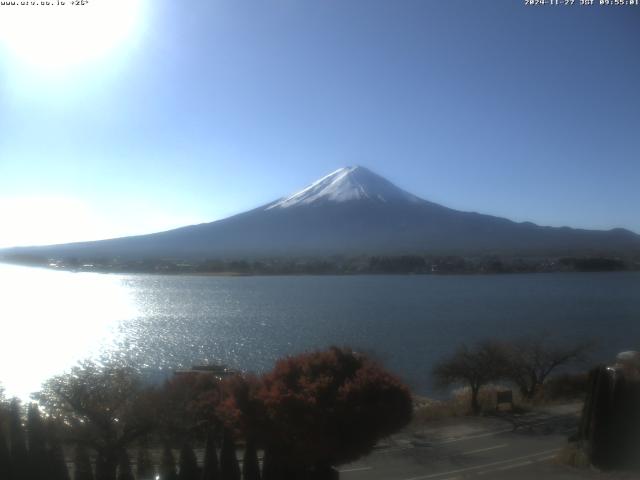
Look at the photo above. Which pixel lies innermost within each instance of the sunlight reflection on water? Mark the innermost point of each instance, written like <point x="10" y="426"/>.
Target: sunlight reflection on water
<point x="51" y="320"/>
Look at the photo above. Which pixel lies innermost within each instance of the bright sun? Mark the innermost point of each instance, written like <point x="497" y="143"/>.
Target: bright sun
<point x="66" y="33"/>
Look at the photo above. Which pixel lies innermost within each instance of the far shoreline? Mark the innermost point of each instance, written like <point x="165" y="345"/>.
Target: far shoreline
<point x="232" y="274"/>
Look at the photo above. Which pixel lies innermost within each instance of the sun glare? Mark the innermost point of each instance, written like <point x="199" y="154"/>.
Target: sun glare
<point x="51" y="219"/>
<point x="66" y="33"/>
<point x="46" y="220"/>
<point x="53" y="320"/>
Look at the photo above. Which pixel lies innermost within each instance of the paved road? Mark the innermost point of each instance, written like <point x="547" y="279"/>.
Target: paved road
<point x="476" y="448"/>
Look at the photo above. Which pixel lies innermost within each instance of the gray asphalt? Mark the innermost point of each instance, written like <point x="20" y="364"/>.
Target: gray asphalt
<point x="523" y="447"/>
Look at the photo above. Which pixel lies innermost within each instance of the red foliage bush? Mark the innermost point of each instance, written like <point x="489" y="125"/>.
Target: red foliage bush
<point x="312" y="411"/>
<point x="241" y="408"/>
<point x="187" y="403"/>
<point x="331" y="407"/>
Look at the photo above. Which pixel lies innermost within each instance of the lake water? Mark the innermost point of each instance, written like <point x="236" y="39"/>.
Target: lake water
<point x="50" y="320"/>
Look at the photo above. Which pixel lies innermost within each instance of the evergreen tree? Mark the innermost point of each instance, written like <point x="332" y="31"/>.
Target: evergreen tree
<point x="82" y="464"/>
<point x="124" y="467"/>
<point x="229" y="468"/>
<point x="144" y="467"/>
<point x="211" y="468"/>
<point x="250" y="465"/>
<point x="168" y="465"/>
<point x="242" y="410"/>
<point x="273" y="467"/>
<point x="19" y="453"/>
<point x="188" y="464"/>
<point x="57" y="463"/>
<point x="106" y="465"/>
<point x="269" y="468"/>
<point x="5" y="456"/>
<point x="37" y="441"/>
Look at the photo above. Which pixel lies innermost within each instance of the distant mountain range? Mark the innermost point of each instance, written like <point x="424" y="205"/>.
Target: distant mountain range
<point x="351" y="211"/>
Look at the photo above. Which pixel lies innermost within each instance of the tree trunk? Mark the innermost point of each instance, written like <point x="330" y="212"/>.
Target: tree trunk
<point x="532" y="389"/>
<point x="475" y="404"/>
<point x="529" y="391"/>
<point x="524" y="391"/>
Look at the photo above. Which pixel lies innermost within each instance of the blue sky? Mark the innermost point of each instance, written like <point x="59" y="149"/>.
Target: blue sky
<point x="203" y="109"/>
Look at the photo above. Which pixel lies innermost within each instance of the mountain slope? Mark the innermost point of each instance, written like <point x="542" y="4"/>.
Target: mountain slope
<point x="351" y="211"/>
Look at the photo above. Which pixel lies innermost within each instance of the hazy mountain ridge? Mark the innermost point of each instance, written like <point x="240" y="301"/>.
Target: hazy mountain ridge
<point x="351" y="211"/>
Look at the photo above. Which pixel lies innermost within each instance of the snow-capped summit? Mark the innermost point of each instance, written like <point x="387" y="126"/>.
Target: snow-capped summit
<point x="345" y="184"/>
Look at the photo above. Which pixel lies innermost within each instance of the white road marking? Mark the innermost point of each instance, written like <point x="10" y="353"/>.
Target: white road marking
<point x="472" y="437"/>
<point x="354" y="469"/>
<point x="507" y="467"/>
<point x="475" y="467"/>
<point x="396" y="449"/>
<point x="544" y="459"/>
<point x="470" y="452"/>
<point x="516" y="465"/>
<point x="445" y="442"/>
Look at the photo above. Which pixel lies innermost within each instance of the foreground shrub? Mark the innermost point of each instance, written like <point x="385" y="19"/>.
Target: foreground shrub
<point x="185" y="406"/>
<point x="330" y="407"/>
<point x="103" y="407"/>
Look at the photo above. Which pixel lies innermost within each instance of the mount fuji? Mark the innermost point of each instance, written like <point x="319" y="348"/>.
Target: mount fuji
<point x="351" y="211"/>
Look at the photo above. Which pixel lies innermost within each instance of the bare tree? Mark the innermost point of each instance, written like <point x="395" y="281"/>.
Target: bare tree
<point x="533" y="359"/>
<point x="474" y="367"/>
